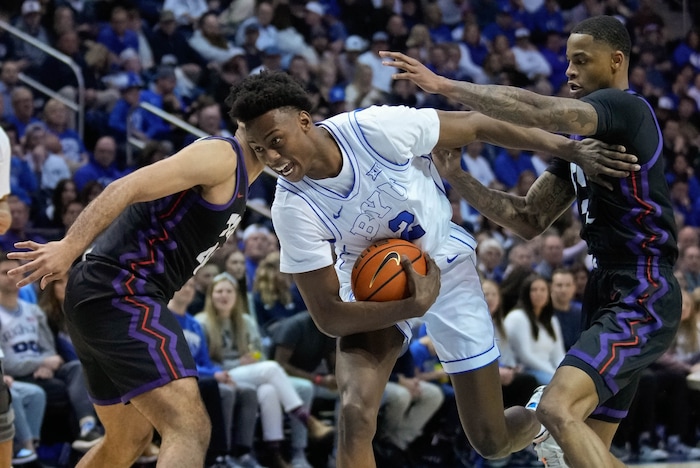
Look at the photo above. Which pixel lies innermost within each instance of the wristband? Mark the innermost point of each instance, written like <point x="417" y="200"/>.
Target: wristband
<point x="318" y="379"/>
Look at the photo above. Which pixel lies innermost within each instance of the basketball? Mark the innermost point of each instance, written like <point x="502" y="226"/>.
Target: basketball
<point x="378" y="275"/>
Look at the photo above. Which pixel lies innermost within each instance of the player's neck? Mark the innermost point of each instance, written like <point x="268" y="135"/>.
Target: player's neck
<point x="9" y="301"/>
<point x="329" y="159"/>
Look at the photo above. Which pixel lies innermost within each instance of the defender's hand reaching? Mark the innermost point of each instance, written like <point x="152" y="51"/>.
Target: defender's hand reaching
<point x="413" y="70"/>
<point x="600" y="160"/>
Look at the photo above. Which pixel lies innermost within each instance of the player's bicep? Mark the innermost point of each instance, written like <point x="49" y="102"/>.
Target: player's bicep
<point x="569" y="116"/>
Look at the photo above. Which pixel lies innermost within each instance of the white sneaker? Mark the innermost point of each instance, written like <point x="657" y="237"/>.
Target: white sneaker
<point x="532" y="406"/>
<point x="549" y="453"/>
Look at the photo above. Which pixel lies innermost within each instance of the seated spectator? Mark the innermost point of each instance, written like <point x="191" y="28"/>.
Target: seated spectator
<point x="683" y="204"/>
<point x="410" y="402"/>
<point x="255" y="247"/>
<point x="548" y="18"/>
<point x="21" y="226"/>
<point x="64" y="192"/>
<point x="162" y="95"/>
<point x="126" y="116"/>
<point x="238" y="404"/>
<point x="56" y="118"/>
<point x="689" y="265"/>
<point x="234" y="344"/>
<point x="473" y="53"/>
<point x="211" y="44"/>
<point x="23" y="109"/>
<point x="566" y="310"/>
<point x="101" y="168"/>
<point x="41" y="364"/>
<point x="534" y="332"/>
<point x="381" y="75"/>
<point x="274" y="294"/>
<point x="688" y="51"/>
<point x="208" y="118"/>
<point x="30" y="22"/>
<point x="117" y="36"/>
<point x="362" y="92"/>
<point x="267" y="32"/>
<point x="28" y="404"/>
<point x="187" y="14"/>
<point x="203" y="278"/>
<point x="528" y="59"/>
<point x="490" y="254"/>
<point x="170" y="47"/>
<point x="9" y="80"/>
<point x="508" y="165"/>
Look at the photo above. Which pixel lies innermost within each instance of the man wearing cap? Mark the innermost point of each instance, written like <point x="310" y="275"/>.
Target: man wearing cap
<point x="30" y="23"/>
<point x="381" y="75"/>
<point x="528" y="59"/>
<point x="354" y="46"/>
<point x="163" y="89"/>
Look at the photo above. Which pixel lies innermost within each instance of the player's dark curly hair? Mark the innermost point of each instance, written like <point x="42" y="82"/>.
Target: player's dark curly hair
<point x="607" y="29"/>
<point x="263" y="92"/>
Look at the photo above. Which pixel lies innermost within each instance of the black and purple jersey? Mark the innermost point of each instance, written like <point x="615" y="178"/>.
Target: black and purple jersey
<point x="635" y="220"/>
<point x="164" y="241"/>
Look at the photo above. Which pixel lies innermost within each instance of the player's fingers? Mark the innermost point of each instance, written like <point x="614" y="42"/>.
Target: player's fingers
<point x="34" y="276"/>
<point x="26" y="245"/>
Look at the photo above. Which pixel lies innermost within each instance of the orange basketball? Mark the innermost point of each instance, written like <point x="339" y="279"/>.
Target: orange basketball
<point x="378" y="275"/>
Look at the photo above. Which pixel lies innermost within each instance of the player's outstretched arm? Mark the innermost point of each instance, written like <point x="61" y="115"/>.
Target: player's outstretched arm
<point x="596" y="158"/>
<point x="206" y="163"/>
<point x="508" y="103"/>
<point x="334" y="317"/>
<point x="526" y="216"/>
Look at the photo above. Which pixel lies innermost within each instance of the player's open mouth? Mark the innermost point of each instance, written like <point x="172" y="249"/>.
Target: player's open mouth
<point x="574" y="87"/>
<point x="285" y="170"/>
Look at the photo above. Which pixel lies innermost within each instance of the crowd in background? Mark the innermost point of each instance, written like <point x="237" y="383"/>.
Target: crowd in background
<point x="245" y="321"/>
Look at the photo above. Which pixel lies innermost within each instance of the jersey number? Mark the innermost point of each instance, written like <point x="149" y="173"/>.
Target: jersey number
<point x="403" y="223"/>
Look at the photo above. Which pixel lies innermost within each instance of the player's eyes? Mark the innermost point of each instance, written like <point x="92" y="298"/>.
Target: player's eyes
<point x="275" y="141"/>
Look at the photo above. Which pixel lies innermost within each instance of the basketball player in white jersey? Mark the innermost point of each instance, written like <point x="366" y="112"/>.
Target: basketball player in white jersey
<point x="367" y="175"/>
<point x="7" y="428"/>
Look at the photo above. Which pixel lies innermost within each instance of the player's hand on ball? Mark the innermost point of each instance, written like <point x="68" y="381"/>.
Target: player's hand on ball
<point x="424" y="289"/>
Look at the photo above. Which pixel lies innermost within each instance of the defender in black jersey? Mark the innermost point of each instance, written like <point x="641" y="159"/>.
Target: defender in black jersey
<point x="632" y="301"/>
<point x="151" y="230"/>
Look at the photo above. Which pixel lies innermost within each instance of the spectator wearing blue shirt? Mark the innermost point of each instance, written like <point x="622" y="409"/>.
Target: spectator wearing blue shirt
<point x="101" y="167"/>
<point x="126" y="114"/>
<point x="56" y="117"/>
<point x="554" y="52"/>
<point x="504" y="25"/>
<point x="508" y="165"/>
<point x="688" y="51"/>
<point x="163" y="88"/>
<point x="548" y="18"/>
<point x="22" y="100"/>
<point x="116" y="36"/>
<point x="20" y="228"/>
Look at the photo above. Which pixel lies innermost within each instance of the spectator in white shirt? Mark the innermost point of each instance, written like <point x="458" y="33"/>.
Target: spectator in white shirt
<point x="528" y="59"/>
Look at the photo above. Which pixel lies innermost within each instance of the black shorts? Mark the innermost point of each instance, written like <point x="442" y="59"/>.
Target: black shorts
<point x="125" y="336"/>
<point x="632" y="315"/>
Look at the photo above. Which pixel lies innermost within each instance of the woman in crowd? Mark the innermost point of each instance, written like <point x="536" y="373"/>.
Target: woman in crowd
<point x="533" y="332"/>
<point x="235" y="344"/>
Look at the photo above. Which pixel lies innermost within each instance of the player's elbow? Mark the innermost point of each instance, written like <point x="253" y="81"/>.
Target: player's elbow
<point x="326" y="324"/>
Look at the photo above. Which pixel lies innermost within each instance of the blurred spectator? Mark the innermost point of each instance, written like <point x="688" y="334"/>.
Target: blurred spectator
<point x="30" y="23"/>
<point x="274" y="294"/>
<point x="203" y="278"/>
<point x="89" y="192"/>
<point x="381" y="75"/>
<point x="548" y="18"/>
<point x="419" y="42"/>
<point x="55" y="166"/>
<point x="433" y="19"/>
<point x="525" y="181"/>
<point x="534" y="332"/>
<point x="21" y="226"/>
<point x="7" y="44"/>
<point x="566" y="310"/>
<point x="473" y="52"/>
<point x="403" y="93"/>
<point x="41" y="364"/>
<point x="28" y="404"/>
<point x="489" y="255"/>
<point x="64" y="192"/>
<point x="255" y="245"/>
<point x="116" y="35"/>
<point x="551" y="253"/>
<point x="70" y="213"/>
<point x="347" y="62"/>
<point x="9" y="80"/>
<point x="155" y="150"/>
<point x="688" y="236"/>
<point x="682" y="202"/>
<point x="128" y="118"/>
<point x="56" y="118"/>
<point x="508" y="165"/>
<point x="689" y="266"/>
<point x="188" y="13"/>
<point x="267" y="32"/>
<point x="362" y="92"/>
<point x="143" y="30"/>
<point x="237" y="404"/>
<point x="234" y="343"/>
<point x="504" y="25"/>
<point x="271" y="60"/>
<point x="410" y="402"/>
<point x="162" y="94"/>
<point x="171" y="47"/>
<point x="210" y="43"/>
<point x="688" y="51"/>
<point x="253" y="55"/>
<point x="23" y="108"/>
<point x="102" y="167"/>
<point x="528" y="59"/>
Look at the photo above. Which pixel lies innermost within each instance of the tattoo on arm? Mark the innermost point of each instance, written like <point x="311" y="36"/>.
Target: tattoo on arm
<point x="522" y="107"/>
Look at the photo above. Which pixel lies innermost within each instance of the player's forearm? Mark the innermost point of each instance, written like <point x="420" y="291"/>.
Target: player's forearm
<point x="505" y="103"/>
<point x="96" y="217"/>
<point x="349" y="318"/>
<point x="515" y="136"/>
<point x="503" y="208"/>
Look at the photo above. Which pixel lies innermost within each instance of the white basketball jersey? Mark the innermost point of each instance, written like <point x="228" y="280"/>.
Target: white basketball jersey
<point x="388" y="187"/>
